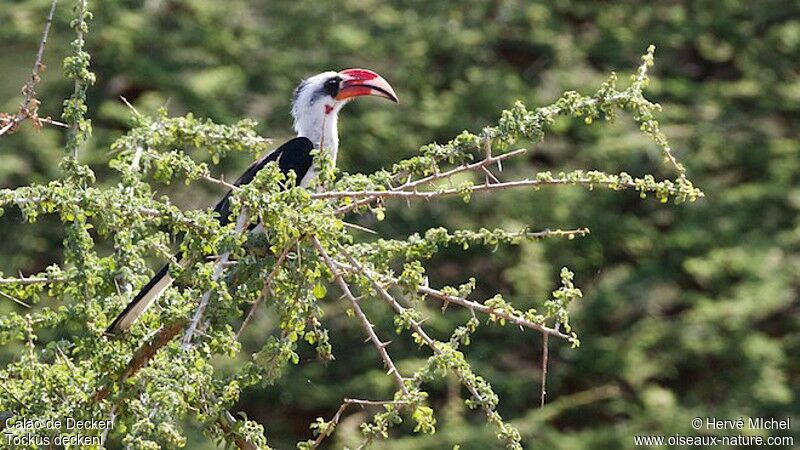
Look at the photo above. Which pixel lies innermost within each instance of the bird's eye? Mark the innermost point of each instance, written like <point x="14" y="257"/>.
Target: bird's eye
<point x="331" y="86"/>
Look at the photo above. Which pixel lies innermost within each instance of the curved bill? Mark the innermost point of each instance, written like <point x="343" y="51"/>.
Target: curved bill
<point x="358" y="82"/>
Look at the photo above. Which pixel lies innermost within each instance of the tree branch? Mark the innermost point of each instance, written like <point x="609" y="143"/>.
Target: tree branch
<point x="347" y="402"/>
<point x="143" y="355"/>
<point x="365" y="323"/>
<point x="449" y="192"/>
<point x="416" y="326"/>
<point x="30" y="105"/>
<point x="414" y="184"/>
<point x="461" y="301"/>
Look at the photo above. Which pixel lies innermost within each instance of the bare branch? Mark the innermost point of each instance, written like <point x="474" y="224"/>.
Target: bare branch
<point x="220" y="182"/>
<point x="14" y="299"/>
<point x="337" y="417"/>
<point x="30" y="106"/>
<point x="22" y="280"/>
<point x="365" y="323"/>
<point x="545" y="357"/>
<point x="416" y="326"/>
<point x="427" y="195"/>
<point x="461" y="301"/>
<point x="414" y="184"/>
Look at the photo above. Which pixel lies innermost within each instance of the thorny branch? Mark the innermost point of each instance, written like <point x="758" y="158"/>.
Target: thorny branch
<point x="461" y="301"/>
<point x="29" y="109"/>
<point x="338" y="415"/>
<point x="365" y="323"/>
<point x="416" y="326"/>
<point x="371" y="196"/>
<point x="414" y="184"/>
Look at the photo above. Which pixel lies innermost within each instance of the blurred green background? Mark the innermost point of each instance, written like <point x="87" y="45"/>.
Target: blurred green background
<point x="689" y="310"/>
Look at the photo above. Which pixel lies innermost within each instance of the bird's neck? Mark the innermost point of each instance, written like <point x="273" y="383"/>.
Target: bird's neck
<point x="322" y="131"/>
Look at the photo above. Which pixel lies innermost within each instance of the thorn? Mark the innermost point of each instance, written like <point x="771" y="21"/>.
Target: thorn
<point x="14" y="299"/>
<point x="359" y="227"/>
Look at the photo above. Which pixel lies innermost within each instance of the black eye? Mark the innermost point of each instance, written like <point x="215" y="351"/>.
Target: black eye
<point x="331" y="86"/>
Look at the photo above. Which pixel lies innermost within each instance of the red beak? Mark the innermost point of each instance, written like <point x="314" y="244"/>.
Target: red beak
<point x="358" y="82"/>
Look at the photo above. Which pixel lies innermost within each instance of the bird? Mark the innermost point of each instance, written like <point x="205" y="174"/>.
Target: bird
<point x="316" y="104"/>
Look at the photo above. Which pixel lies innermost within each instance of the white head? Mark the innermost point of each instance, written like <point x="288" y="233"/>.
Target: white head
<point x="318" y="100"/>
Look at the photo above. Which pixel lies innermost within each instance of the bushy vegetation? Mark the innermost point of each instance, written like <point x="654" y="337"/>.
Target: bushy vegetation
<point x="687" y="309"/>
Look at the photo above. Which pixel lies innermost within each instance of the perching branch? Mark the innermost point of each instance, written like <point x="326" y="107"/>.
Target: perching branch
<point x="414" y="184"/>
<point x="612" y="182"/>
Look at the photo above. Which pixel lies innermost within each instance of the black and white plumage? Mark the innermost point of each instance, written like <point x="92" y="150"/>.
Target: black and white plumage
<point x="315" y="108"/>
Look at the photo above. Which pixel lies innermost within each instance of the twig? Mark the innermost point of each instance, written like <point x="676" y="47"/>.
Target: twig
<point x="52" y="122"/>
<point x="359" y="228"/>
<point x="15" y="299"/>
<point x="427" y="195"/>
<point x="30" y="106"/>
<point x="545" y="357"/>
<point x="347" y="402"/>
<point x="413" y="184"/>
<point x="81" y="13"/>
<point x="112" y="415"/>
<point x="466" y="303"/>
<point x="365" y="323"/>
<point x="220" y="182"/>
<point x="31" y="280"/>
<point x="512" y="318"/>
<point x="416" y="326"/>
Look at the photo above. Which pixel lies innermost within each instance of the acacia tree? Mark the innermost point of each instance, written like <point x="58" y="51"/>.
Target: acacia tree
<point x="166" y="368"/>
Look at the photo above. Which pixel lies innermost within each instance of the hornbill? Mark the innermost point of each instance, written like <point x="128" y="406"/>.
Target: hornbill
<point x="315" y="108"/>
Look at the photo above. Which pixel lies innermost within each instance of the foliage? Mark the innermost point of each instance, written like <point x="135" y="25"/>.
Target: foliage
<point x="668" y="290"/>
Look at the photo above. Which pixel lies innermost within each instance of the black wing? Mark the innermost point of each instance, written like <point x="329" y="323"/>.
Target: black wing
<point x="293" y="155"/>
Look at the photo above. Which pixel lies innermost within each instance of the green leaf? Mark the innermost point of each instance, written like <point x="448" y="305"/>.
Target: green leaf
<point x="320" y="290"/>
